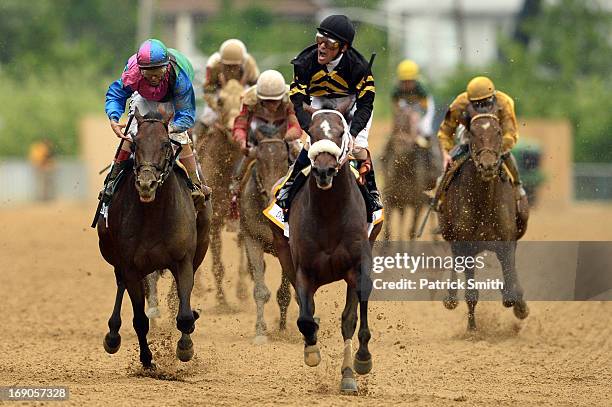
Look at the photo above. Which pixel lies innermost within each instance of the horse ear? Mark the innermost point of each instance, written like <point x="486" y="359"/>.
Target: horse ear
<point x="137" y="115"/>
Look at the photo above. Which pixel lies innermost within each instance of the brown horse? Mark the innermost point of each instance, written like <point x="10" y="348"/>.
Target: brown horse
<point x="219" y="155"/>
<point x="152" y="225"/>
<point x="479" y="212"/>
<point x="329" y="242"/>
<point x="408" y="168"/>
<point x="271" y="163"/>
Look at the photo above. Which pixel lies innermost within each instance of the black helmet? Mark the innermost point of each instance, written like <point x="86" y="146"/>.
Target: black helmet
<point x="338" y="27"/>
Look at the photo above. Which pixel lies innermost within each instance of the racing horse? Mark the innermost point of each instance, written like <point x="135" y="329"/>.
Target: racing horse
<point x="479" y="212"/>
<point x="408" y="167"/>
<point x="219" y="154"/>
<point x="271" y="163"/>
<point x="329" y="242"/>
<point x="152" y="225"/>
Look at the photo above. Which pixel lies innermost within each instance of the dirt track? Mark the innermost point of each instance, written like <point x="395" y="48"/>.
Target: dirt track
<point x="57" y="293"/>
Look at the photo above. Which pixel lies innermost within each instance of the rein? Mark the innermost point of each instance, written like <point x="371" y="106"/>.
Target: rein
<point x="169" y="158"/>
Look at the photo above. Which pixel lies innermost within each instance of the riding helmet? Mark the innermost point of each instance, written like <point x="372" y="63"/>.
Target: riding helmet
<point x="152" y="54"/>
<point x="338" y="27"/>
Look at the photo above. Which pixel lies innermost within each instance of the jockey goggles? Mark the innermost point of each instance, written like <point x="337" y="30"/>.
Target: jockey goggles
<point x="330" y="43"/>
<point x="154" y="73"/>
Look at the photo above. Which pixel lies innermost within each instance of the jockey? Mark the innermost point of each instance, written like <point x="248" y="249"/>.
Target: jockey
<point x="331" y="72"/>
<point x="481" y="94"/>
<point x="231" y="62"/>
<point x="265" y="103"/>
<point x="410" y="90"/>
<point x="157" y="79"/>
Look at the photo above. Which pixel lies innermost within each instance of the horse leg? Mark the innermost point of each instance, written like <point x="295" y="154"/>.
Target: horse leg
<point x="151" y="294"/>
<point x="363" y="358"/>
<point x="471" y="298"/>
<point x="306" y="322"/>
<point x="186" y="317"/>
<point x="512" y="293"/>
<point x="140" y="321"/>
<point x="261" y="293"/>
<point x="415" y="220"/>
<point x="243" y="270"/>
<point x="348" y="384"/>
<point x="112" y="340"/>
<point x="388" y="212"/>
<point x="283" y="297"/>
<point x="218" y="269"/>
<point x="451" y="302"/>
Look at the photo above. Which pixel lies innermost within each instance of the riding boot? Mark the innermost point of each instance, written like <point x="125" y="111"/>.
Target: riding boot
<point x="200" y="192"/>
<point x="285" y="194"/>
<point x="370" y="192"/>
<point x="106" y="193"/>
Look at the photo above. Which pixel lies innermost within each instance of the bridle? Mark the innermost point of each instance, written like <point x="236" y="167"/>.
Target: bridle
<point x="475" y="154"/>
<point x="167" y="165"/>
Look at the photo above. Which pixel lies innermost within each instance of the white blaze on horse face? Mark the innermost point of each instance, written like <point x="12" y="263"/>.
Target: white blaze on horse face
<point x="326" y="129"/>
<point x="485" y="125"/>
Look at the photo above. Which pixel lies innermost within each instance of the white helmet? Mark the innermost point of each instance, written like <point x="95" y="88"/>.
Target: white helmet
<point x="271" y="85"/>
<point x="233" y="52"/>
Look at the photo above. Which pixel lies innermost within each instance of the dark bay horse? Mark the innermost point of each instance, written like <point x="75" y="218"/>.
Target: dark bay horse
<point x="152" y="225"/>
<point x="271" y="163"/>
<point x="218" y="155"/>
<point x="408" y="168"/>
<point x="479" y="212"/>
<point x="329" y="242"/>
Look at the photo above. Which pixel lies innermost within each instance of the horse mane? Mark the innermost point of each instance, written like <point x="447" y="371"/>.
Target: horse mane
<point x="153" y="115"/>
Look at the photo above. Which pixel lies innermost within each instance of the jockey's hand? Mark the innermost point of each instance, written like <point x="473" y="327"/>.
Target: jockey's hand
<point x="117" y="128"/>
<point x="244" y="149"/>
<point x="446" y="160"/>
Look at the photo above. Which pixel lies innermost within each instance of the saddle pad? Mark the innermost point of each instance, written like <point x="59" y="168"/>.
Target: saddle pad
<point x="276" y="215"/>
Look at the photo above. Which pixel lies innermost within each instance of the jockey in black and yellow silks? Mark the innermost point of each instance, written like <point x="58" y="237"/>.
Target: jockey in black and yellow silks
<point x="332" y="73"/>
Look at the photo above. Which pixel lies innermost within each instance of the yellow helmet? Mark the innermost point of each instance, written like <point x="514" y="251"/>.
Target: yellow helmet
<point x="407" y="70"/>
<point x="233" y="52"/>
<point x="480" y="87"/>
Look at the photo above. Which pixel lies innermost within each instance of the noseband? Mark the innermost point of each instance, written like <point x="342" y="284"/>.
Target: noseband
<point x="169" y="158"/>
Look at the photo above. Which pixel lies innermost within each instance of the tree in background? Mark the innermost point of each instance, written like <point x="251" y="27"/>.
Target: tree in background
<point x="559" y="68"/>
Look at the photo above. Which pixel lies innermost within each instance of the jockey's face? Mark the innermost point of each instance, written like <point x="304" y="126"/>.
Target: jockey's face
<point x="231" y="69"/>
<point x="271" y="105"/>
<point x="328" y="49"/>
<point x="484" y="105"/>
<point x="155" y="75"/>
<point x="408" y="85"/>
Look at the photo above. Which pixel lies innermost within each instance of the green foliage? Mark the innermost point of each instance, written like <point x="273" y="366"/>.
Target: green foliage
<point x="56" y="58"/>
<point x="564" y="73"/>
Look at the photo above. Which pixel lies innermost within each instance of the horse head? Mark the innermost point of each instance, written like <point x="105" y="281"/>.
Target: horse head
<point x="271" y="155"/>
<point x="330" y="145"/>
<point x="406" y="126"/>
<point x="229" y="102"/>
<point x="153" y="153"/>
<point x="485" y="143"/>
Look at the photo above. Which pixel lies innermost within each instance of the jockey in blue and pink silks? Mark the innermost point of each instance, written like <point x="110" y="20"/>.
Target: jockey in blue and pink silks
<point x="157" y="79"/>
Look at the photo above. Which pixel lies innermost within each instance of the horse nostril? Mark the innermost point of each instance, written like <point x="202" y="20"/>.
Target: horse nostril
<point x="330" y="172"/>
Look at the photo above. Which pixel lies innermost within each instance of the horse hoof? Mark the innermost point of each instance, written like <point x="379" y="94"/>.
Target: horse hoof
<point x="348" y="386"/>
<point x="521" y="310"/>
<point x="508" y="303"/>
<point x="260" y="340"/>
<point x="450" y="303"/>
<point x="151" y="367"/>
<point x="112" y="345"/>
<point x="362" y="366"/>
<point x="312" y="355"/>
<point x="153" y="313"/>
<point x="184" y="350"/>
